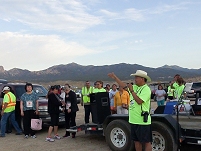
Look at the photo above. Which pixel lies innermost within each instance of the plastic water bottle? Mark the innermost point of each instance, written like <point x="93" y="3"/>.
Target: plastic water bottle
<point x="152" y="111"/>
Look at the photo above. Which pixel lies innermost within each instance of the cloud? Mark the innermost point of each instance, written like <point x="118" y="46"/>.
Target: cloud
<point x="68" y="16"/>
<point x="134" y="14"/>
<point x="138" y="41"/>
<point x="139" y="15"/>
<point x="127" y="14"/>
<point x="109" y="13"/>
<point x="168" y="8"/>
<point x="38" y="51"/>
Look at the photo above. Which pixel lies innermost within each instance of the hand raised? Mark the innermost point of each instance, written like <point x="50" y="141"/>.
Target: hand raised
<point x="112" y="75"/>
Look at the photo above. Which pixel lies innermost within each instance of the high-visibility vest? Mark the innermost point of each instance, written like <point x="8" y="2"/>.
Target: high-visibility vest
<point x="85" y="93"/>
<point x="175" y="85"/>
<point x="96" y="90"/>
<point x="170" y="91"/>
<point x="10" y="104"/>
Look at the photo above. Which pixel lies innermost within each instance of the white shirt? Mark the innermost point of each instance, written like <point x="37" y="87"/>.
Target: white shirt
<point x="112" y="93"/>
<point x="160" y="95"/>
<point x="62" y="95"/>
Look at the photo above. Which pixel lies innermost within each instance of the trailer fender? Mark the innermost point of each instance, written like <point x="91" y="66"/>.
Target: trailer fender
<point x="163" y="137"/>
<point x="170" y="122"/>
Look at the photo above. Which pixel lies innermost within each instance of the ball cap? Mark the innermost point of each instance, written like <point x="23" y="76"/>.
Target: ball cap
<point x="6" y="88"/>
<point x="143" y="74"/>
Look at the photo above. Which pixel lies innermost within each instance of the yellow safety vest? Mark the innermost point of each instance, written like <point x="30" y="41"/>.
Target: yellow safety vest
<point x="85" y="93"/>
<point x="170" y="91"/>
<point x="11" y="104"/>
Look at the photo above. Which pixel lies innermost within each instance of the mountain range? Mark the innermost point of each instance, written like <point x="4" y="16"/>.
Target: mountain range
<point x="76" y="72"/>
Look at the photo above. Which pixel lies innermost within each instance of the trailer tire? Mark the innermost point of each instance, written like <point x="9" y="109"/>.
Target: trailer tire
<point x="118" y="136"/>
<point x="163" y="138"/>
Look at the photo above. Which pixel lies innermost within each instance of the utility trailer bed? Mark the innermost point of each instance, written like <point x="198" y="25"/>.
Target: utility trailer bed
<point x="189" y="122"/>
<point x="90" y="128"/>
<point x="190" y="128"/>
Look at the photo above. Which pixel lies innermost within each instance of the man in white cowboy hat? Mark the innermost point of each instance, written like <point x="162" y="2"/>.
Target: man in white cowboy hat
<point x="139" y="108"/>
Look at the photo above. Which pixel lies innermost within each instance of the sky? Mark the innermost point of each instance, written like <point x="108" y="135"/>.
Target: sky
<point x="38" y="34"/>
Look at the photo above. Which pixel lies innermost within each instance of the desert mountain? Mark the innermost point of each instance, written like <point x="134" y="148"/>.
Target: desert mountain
<point x="76" y="72"/>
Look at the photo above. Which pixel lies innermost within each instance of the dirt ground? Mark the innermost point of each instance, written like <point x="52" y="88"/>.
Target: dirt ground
<point x="82" y="142"/>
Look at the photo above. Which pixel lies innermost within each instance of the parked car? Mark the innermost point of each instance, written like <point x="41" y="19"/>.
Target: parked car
<point x="154" y="87"/>
<point x="3" y="81"/>
<point x="78" y="95"/>
<point x="195" y="91"/>
<point x="18" y="90"/>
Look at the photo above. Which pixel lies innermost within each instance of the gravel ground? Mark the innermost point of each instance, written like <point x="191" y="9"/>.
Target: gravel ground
<point x="82" y="142"/>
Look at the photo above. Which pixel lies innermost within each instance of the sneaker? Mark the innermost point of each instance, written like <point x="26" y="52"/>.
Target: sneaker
<point x="26" y="136"/>
<point x="57" y="137"/>
<point x="34" y="136"/>
<point x="66" y="136"/>
<point x="48" y="139"/>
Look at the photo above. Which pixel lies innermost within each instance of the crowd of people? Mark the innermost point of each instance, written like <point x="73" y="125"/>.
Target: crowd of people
<point x="125" y="98"/>
<point x="174" y="91"/>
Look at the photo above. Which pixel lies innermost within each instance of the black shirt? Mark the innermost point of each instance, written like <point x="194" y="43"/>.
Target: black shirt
<point x="71" y="97"/>
<point x="53" y="104"/>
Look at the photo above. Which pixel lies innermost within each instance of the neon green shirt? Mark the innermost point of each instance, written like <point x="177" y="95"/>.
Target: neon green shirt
<point x="179" y="91"/>
<point x="175" y="85"/>
<point x="6" y="99"/>
<point x="85" y="93"/>
<point x="135" y="109"/>
<point x="96" y="90"/>
<point x="170" y="91"/>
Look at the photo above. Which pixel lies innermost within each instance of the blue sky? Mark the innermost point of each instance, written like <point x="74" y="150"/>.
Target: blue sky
<point x="38" y="34"/>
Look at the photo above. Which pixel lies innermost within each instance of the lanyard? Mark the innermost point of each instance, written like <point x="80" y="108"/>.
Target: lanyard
<point x="140" y="90"/>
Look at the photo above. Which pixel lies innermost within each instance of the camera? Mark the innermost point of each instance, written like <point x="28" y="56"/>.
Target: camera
<point x="145" y="116"/>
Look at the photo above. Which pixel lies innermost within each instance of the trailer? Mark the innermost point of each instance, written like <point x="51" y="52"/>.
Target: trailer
<point x="167" y="132"/>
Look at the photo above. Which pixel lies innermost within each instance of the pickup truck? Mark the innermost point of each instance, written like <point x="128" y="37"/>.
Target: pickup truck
<point x="195" y="92"/>
<point x="18" y="89"/>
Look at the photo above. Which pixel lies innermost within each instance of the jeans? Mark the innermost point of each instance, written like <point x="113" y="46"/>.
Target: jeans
<point x="8" y="126"/>
<point x="4" y="120"/>
<point x="87" y="109"/>
<point x="161" y="102"/>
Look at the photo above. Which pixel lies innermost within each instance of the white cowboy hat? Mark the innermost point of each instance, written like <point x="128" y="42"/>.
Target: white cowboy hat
<point x="142" y="74"/>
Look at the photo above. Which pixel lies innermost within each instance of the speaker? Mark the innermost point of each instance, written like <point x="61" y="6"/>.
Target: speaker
<point x="159" y="110"/>
<point x="100" y="106"/>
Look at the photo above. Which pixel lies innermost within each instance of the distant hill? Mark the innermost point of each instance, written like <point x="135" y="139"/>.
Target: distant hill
<point x="76" y="72"/>
<point x="197" y="71"/>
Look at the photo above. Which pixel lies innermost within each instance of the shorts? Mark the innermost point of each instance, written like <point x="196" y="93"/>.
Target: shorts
<point x="54" y="119"/>
<point x="141" y="133"/>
